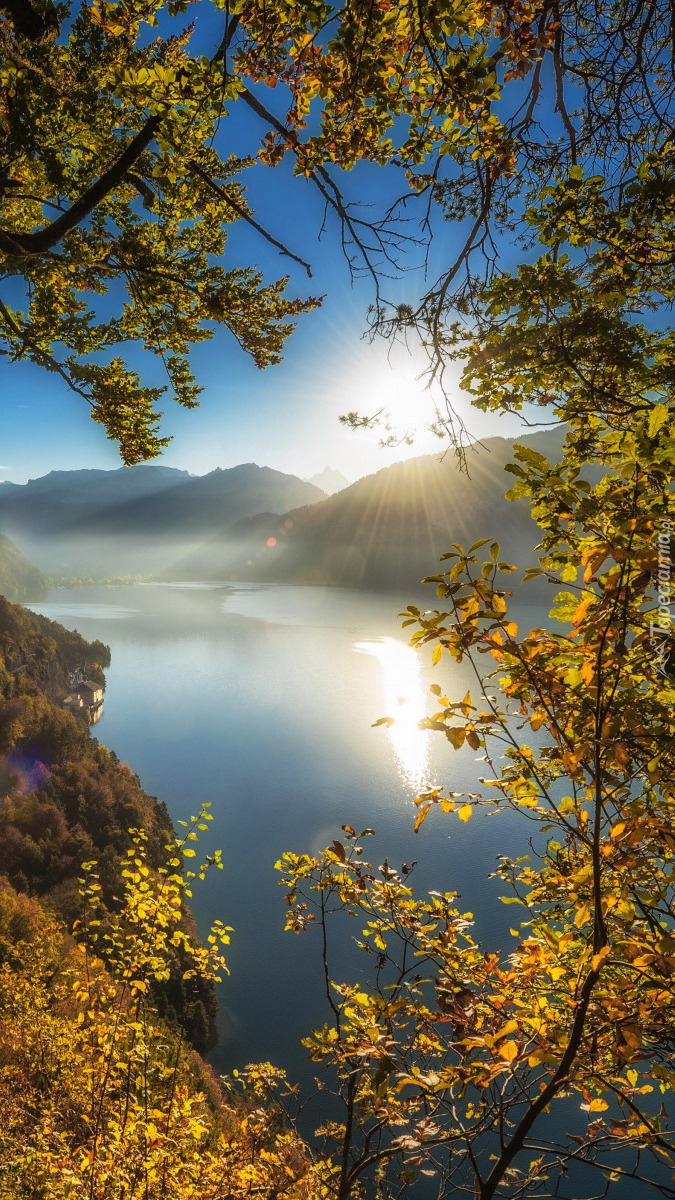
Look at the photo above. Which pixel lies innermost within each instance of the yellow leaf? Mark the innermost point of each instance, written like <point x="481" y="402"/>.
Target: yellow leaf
<point x="621" y="755"/>
<point x="598" y="959"/>
<point x="582" y="917"/>
<point x="587" y="673"/>
<point x="580" y="612"/>
<point x="509" y="1051"/>
<point x="464" y="812"/>
<point x="436" y="656"/>
<point x="421" y="817"/>
<point x="455" y="736"/>
<point x="510" y="1027"/>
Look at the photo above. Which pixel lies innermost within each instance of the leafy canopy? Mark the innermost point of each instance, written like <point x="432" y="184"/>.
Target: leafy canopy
<point x="544" y="1069"/>
<point x="116" y="205"/>
<point x="116" y="199"/>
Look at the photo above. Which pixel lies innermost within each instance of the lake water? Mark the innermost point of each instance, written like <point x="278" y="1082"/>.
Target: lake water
<point x="261" y="699"/>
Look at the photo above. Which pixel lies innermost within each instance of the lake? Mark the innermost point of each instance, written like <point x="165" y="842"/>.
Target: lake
<point x="260" y="699"/>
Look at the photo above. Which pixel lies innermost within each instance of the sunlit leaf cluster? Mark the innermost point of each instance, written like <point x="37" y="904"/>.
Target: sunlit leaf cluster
<point x="115" y="207"/>
<point x="101" y="1099"/>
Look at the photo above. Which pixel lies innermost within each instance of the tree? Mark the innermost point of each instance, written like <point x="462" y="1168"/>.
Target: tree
<point x="109" y="147"/>
<point x="106" y="152"/>
<point x="450" y="1061"/>
<point x="473" y="1066"/>
<point x="99" y="1097"/>
<point x="479" y="108"/>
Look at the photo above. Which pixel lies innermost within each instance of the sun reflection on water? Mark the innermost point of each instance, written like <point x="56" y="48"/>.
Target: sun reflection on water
<point x="404" y="699"/>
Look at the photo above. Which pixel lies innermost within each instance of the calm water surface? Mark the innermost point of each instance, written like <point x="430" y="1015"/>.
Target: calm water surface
<point x="260" y="699"/>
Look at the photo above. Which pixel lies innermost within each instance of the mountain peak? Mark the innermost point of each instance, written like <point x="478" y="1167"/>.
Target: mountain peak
<point x="330" y="481"/>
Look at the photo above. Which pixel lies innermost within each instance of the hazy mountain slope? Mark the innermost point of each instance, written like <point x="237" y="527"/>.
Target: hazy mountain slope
<point x="73" y="499"/>
<point x="135" y="522"/>
<point x="208" y="502"/>
<point x="19" y="579"/>
<point x="385" y="531"/>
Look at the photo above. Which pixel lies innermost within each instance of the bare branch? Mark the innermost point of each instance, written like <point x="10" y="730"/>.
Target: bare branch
<point x="246" y="216"/>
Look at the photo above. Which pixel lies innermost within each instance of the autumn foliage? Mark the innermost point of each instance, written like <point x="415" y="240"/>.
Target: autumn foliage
<point x="545" y="1068"/>
<point x="101" y="1099"/>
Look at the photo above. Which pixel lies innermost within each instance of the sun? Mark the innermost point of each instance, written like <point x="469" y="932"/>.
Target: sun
<point x="395" y="390"/>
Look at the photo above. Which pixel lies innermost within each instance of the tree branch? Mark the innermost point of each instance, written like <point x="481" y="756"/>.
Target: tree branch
<point x="322" y="181"/>
<point x="44" y="239"/>
<point x="547" y="1094"/>
<point x="42" y="356"/>
<point x="246" y="216"/>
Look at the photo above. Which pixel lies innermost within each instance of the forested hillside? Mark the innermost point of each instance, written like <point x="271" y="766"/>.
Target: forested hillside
<point x="66" y="800"/>
<point x="104" y="987"/>
<point x="98" y="1096"/>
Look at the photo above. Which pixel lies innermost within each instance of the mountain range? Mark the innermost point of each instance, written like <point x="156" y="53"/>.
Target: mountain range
<point x="139" y="520"/>
<point x="386" y="531"/>
<point x="330" y="481"/>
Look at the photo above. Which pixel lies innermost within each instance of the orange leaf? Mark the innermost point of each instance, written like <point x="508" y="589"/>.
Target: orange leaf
<point x="580" y="612"/>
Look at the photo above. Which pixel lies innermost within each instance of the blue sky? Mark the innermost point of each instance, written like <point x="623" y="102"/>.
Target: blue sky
<point x="285" y="417"/>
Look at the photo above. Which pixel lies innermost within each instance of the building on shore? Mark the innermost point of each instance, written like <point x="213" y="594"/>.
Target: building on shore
<point x="85" y="699"/>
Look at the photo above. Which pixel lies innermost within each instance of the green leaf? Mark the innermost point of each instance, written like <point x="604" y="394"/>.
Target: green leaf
<point x="657" y="419"/>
